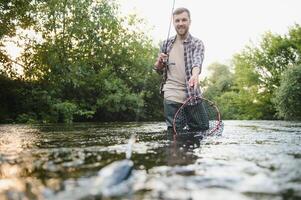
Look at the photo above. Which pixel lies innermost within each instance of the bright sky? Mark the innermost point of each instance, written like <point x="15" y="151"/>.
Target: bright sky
<point x="225" y="26"/>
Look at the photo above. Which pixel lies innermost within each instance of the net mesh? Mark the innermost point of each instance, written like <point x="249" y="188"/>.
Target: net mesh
<point x="198" y="116"/>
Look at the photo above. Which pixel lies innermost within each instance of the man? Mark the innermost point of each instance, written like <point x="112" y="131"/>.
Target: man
<point x="185" y="55"/>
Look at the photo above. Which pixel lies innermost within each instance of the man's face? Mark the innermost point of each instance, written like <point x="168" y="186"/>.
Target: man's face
<point x="181" y="23"/>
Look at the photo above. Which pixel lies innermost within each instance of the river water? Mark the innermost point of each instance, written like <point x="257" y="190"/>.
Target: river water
<point x="251" y="160"/>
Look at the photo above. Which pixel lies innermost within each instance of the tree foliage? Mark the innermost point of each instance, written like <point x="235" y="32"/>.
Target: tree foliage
<point x="219" y="82"/>
<point x="261" y="67"/>
<point x="88" y="62"/>
<point x="288" y="95"/>
<point x="258" y="79"/>
<point x="85" y="62"/>
<point x="14" y="15"/>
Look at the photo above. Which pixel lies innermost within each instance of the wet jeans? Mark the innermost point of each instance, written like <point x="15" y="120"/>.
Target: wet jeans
<point x="170" y="109"/>
<point x="196" y="117"/>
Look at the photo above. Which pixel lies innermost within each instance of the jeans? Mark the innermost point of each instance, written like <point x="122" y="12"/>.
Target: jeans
<point x="195" y="116"/>
<point x="170" y="109"/>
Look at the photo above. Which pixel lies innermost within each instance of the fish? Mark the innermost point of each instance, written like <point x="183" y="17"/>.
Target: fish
<point x="112" y="180"/>
<point x="114" y="177"/>
<point x="114" y="174"/>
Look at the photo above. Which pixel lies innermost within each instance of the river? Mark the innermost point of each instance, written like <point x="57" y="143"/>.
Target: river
<point x="251" y="160"/>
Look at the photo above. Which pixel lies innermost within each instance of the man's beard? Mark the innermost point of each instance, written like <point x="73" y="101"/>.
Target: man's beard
<point x="183" y="31"/>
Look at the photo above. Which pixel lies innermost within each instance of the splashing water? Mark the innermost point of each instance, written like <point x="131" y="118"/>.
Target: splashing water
<point x="129" y="148"/>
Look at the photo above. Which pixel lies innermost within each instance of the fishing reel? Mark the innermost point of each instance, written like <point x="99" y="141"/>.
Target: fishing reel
<point x="166" y="62"/>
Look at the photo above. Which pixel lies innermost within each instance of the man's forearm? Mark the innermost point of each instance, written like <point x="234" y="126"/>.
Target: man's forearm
<point x="195" y="71"/>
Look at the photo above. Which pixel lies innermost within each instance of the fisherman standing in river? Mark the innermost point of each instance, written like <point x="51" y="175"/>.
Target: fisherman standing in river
<point x="180" y="63"/>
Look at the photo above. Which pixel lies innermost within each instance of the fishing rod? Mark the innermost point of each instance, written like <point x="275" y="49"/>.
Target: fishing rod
<point x="171" y="16"/>
<point x="165" y="61"/>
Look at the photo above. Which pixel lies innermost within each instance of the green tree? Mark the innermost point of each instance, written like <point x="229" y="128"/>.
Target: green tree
<point x="218" y="87"/>
<point x="258" y="69"/>
<point x="254" y="100"/>
<point x="220" y="80"/>
<point x="288" y="96"/>
<point x="86" y="55"/>
<point x="14" y="15"/>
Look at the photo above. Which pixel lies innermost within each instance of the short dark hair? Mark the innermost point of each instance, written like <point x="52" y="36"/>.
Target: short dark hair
<point x="181" y="10"/>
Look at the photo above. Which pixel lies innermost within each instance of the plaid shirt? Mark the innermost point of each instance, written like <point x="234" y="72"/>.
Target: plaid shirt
<point x="193" y="55"/>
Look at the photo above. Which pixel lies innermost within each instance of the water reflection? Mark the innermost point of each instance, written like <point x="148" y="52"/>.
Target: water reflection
<point x="16" y="162"/>
<point x="180" y="151"/>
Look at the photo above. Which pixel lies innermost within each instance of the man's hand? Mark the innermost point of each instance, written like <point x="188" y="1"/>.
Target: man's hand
<point x="194" y="80"/>
<point x="159" y="64"/>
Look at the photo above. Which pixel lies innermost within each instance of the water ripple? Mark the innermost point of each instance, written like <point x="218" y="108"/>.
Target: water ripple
<point x="251" y="160"/>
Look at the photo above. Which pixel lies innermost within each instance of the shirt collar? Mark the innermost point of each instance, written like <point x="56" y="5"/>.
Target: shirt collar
<point x="187" y="40"/>
<point x="173" y="38"/>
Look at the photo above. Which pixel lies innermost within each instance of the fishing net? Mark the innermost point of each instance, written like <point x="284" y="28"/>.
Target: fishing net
<point x="198" y="116"/>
